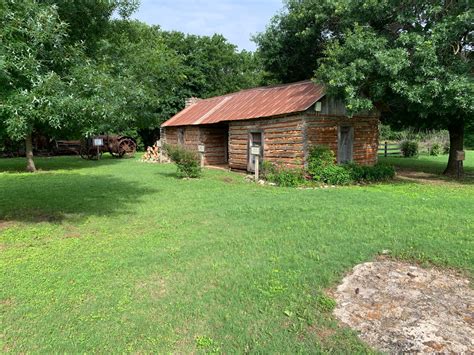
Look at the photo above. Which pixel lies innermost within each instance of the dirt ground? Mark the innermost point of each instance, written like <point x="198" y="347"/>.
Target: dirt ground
<point x="399" y="307"/>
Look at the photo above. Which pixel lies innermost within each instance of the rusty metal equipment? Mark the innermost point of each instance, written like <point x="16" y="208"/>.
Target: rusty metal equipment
<point x="63" y="147"/>
<point x="117" y="146"/>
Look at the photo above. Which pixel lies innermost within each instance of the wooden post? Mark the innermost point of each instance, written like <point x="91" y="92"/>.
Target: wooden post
<point x="460" y="156"/>
<point x="257" y="158"/>
<point x="385" y="149"/>
<point x="30" y="164"/>
<point x="201" y="150"/>
<point x="98" y="142"/>
<point x="159" y="145"/>
<point x="255" y="152"/>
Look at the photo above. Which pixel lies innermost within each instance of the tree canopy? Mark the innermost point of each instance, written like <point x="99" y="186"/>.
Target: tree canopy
<point x="72" y="69"/>
<point x="295" y="39"/>
<point x="32" y="48"/>
<point x="411" y="59"/>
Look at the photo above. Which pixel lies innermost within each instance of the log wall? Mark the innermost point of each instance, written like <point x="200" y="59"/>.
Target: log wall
<point x="191" y="137"/>
<point x="282" y="141"/>
<point x="214" y="138"/>
<point x="323" y="130"/>
<point x="169" y="135"/>
<point x="286" y="140"/>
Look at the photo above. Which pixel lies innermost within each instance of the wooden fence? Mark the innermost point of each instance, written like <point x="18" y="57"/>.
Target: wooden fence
<point x="389" y="149"/>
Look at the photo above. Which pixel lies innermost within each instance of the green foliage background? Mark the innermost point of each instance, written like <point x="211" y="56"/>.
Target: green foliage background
<point x="410" y="59"/>
<point x="69" y="69"/>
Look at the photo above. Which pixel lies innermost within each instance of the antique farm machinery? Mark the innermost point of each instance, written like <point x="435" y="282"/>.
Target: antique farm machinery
<point x="117" y="146"/>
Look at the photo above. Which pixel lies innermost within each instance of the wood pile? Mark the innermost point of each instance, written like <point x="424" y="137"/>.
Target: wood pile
<point x="152" y="154"/>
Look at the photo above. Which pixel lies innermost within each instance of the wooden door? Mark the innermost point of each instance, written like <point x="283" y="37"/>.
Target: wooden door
<point x="181" y="136"/>
<point x="345" y="146"/>
<point x="226" y="145"/>
<point x="254" y="139"/>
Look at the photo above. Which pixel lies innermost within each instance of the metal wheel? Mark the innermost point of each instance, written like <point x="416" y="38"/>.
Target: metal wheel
<point x="84" y="152"/>
<point x="127" y="147"/>
<point x="89" y="152"/>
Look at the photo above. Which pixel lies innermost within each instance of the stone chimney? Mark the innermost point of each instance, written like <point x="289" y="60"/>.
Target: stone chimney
<point x="190" y="101"/>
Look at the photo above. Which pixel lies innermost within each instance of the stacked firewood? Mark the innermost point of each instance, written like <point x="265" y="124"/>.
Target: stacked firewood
<point x="152" y="154"/>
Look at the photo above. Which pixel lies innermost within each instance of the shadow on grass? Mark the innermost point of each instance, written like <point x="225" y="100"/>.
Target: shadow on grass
<point x="57" y="197"/>
<point x="425" y="170"/>
<point x="18" y="165"/>
<point x="168" y="174"/>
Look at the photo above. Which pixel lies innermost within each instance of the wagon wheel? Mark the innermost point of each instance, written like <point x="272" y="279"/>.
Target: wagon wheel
<point x="127" y="147"/>
<point x="84" y="151"/>
<point x="89" y="153"/>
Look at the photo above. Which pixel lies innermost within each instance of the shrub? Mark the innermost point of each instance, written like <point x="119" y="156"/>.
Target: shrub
<point x="320" y="155"/>
<point x="335" y="175"/>
<point x="378" y="172"/>
<point x="409" y="148"/>
<point x="281" y="175"/>
<point x="446" y="148"/>
<point x="435" y="149"/>
<point x="319" y="158"/>
<point x="322" y="168"/>
<point x="386" y="133"/>
<point x="187" y="161"/>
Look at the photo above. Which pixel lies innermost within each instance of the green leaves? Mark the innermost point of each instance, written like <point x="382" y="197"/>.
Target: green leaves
<point x="413" y="59"/>
<point x="31" y="39"/>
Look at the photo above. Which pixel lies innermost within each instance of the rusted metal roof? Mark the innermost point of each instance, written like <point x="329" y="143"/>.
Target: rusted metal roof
<point x="249" y="104"/>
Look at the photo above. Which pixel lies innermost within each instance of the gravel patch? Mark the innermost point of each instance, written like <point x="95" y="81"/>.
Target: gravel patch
<point x="397" y="307"/>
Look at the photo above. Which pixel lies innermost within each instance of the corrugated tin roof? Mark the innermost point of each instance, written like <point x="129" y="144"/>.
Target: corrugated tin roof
<point x="252" y="103"/>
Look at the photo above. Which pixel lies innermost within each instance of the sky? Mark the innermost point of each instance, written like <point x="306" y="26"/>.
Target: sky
<point x="237" y="20"/>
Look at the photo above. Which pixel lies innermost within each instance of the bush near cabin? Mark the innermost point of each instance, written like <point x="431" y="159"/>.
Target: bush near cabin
<point x="409" y="148"/>
<point x="282" y="175"/>
<point x="323" y="169"/>
<point x="378" y="172"/>
<point x="187" y="161"/>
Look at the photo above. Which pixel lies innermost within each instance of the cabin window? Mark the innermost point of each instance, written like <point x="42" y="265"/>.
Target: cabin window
<point x="181" y="136"/>
<point x="345" y="144"/>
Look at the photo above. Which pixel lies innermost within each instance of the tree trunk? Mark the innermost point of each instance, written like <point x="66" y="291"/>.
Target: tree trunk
<point x="456" y="142"/>
<point x="30" y="164"/>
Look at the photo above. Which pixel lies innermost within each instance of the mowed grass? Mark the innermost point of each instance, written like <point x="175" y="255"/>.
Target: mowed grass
<point x="120" y="256"/>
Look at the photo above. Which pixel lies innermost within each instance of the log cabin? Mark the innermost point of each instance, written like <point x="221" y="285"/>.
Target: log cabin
<point x="284" y="120"/>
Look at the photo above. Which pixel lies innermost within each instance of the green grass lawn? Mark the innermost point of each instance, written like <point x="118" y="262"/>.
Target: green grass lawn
<point x="430" y="164"/>
<point x="120" y="256"/>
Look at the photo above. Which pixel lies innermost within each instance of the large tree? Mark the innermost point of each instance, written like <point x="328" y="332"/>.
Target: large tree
<point x="295" y="39"/>
<point x="161" y="69"/>
<point x="212" y="65"/>
<point x="89" y="21"/>
<point x="136" y="55"/>
<point x="68" y="68"/>
<point x="208" y="66"/>
<point x="412" y="59"/>
<point x="50" y="78"/>
<point x="31" y="47"/>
